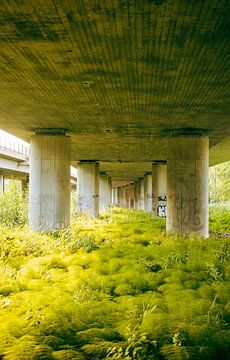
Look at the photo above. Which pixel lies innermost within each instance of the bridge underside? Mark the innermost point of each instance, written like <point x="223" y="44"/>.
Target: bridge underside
<point x="121" y="78"/>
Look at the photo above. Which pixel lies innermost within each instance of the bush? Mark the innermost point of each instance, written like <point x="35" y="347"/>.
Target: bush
<point x="219" y="219"/>
<point x="13" y="206"/>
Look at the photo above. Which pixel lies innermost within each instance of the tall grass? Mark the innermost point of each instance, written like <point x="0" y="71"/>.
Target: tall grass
<point x="116" y="287"/>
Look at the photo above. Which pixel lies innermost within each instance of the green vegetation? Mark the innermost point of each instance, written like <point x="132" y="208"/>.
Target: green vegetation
<point x="113" y="288"/>
<point x="219" y="219"/>
<point x="219" y="183"/>
<point x="13" y="206"/>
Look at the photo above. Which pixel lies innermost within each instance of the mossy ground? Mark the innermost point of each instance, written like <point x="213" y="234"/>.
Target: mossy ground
<point x="115" y="287"/>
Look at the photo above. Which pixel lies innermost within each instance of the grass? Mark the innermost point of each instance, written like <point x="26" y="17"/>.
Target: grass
<point x="116" y="287"/>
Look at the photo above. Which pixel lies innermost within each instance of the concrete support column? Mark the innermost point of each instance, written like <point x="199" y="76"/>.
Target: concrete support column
<point x="110" y="190"/>
<point x="115" y="196"/>
<point x="142" y="195"/>
<point x="159" y="172"/>
<point x="127" y="194"/>
<point x="104" y="192"/>
<point x="119" y="196"/>
<point x="148" y="192"/>
<point x="187" y="185"/>
<point x="123" y="189"/>
<point x="131" y="196"/>
<point x="49" y="193"/>
<point x="136" y="194"/>
<point x="88" y="188"/>
<point x="2" y="184"/>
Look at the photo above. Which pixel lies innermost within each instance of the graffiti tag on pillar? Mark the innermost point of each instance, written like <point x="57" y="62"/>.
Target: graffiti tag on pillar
<point x="162" y="207"/>
<point x="162" y="198"/>
<point x="161" y="210"/>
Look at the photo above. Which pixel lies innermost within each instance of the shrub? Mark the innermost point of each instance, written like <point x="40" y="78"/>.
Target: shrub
<point x="13" y="206"/>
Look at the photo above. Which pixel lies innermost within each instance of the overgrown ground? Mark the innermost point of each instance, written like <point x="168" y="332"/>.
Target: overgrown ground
<point x="116" y="287"/>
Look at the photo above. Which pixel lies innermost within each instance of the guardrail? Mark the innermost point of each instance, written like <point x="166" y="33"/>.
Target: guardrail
<point x="8" y="144"/>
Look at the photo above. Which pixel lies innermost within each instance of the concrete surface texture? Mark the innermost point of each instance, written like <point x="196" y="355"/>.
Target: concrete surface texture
<point x="120" y="77"/>
<point x="187" y="186"/>
<point x="49" y="201"/>
<point x="142" y="195"/>
<point x="159" y="188"/>
<point x="119" y="196"/>
<point x="136" y="194"/>
<point x="104" y="192"/>
<point x="88" y="188"/>
<point x="148" y="192"/>
<point x="132" y="83"/>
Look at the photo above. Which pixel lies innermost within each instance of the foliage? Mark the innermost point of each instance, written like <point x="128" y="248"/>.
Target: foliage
<point x="219" y="219"/>
<point x="13" y="206"/>
<point x="115" y="287"/>
<point x="219" y="182"/>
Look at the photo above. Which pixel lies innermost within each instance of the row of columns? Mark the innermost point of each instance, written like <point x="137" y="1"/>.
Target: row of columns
<point x="187" y="185"/>
<point x="147" y="193"/>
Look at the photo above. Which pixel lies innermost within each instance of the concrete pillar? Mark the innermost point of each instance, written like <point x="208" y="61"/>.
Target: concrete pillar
<point x="123" y="189"/>
<point x="127" y="196"/>
<point x="136" y="194"/>
<point x="159" y="173"/>
<point x="104" y="192"/>
<point x="119" y="196"/>
<point x="110" y="190"/>
<point x="2" y="184"/>
<point x="187" y="185"/>
<point x="115" y="196"/>
<point x="142" y="195"/>
<point x="49" y="191"/>
<point x="148" y="192"/>
<point x="131" y="196"/>
<point x="88" y="188"/>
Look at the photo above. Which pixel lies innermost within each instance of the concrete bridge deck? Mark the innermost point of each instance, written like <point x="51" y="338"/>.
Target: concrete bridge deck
<point x="131" y="83"/>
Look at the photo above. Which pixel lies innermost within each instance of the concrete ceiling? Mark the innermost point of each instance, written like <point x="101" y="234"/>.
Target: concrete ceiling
<point x="118" y="75"/>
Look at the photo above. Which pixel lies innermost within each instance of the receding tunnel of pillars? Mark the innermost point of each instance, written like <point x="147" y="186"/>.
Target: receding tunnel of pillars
<point x="183" y="181"/>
